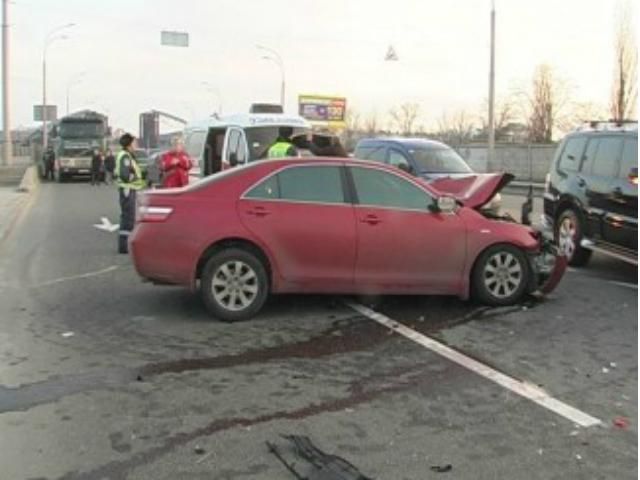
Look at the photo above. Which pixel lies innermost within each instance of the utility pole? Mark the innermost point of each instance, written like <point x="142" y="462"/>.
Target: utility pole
<point x="7" y="147"/>
<point x="492" y="74"/>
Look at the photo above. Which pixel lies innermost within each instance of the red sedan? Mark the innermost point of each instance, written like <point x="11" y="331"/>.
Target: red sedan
<point x="335" y="226"/>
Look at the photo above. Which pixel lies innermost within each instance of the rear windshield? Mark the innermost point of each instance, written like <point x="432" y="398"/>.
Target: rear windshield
<point x="439" y="160"/>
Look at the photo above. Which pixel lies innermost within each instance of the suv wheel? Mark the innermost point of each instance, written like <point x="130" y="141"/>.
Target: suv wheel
<point x="568" y="232"/>
<point x="234" y="285"/>
<point x="501" y="275"/>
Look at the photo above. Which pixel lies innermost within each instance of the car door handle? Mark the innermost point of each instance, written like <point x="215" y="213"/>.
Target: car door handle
<point x="371" y="220"/>
<point x="258" y="212"/>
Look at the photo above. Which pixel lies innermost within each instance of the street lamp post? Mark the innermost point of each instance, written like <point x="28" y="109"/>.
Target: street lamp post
<point x="73" y="81"/>
<point x="51" y="37"/>
<point x="277" y="59"/>
<point x="6" y="112"/>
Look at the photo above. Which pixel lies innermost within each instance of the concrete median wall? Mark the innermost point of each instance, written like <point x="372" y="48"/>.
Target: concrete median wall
<point x="526" y="162"/>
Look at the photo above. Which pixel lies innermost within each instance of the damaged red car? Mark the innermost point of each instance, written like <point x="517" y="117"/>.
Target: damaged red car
<point x="336" y="226"/>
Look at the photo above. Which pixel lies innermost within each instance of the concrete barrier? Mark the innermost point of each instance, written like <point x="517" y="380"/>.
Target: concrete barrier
<point x="30" y="180"/>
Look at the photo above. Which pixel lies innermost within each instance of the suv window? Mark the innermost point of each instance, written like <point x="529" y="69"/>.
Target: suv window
<point x="589" y="155"/>
<point x="629" y="157"/>
<point x="383" y="189"/>
<point x="311" y="184"/>
<point x="605" y="162"/>
<point x="377" y="154"/>
<point x="397" y="158"/>
<point x="571" y="154"/>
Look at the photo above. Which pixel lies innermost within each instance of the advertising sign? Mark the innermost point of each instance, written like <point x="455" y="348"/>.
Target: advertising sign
<point x="324" y="109"/>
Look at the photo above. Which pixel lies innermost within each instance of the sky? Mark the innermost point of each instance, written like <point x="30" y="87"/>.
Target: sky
<point x="112" y="60"/>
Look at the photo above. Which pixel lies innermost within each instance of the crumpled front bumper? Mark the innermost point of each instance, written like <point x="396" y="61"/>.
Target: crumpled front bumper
<point x="548" y="267"/>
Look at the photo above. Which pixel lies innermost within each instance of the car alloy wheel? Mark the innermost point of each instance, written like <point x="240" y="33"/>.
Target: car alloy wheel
<point x="502" y="275"/>
<point x="234" y="286"/>
<point x="567" y="235"/>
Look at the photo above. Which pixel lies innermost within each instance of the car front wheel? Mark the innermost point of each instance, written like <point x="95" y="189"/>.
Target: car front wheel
<point x="501" y="275"/>
<point x="234" y="285"/>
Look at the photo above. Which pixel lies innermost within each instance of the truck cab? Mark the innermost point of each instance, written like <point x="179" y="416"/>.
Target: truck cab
<point x="219" y="143"/>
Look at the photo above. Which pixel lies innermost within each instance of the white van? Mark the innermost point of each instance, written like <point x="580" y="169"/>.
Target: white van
<point x="218" y="143"/>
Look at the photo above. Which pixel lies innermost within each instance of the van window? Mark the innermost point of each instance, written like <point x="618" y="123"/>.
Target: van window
<point x="605" y="163"/>
<point x="194" y="144"/>
<point x="572" y="154"/>
<point x="377" y="154"/>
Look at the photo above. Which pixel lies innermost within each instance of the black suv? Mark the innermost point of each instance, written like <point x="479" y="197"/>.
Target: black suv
<point x="591" y="193"/>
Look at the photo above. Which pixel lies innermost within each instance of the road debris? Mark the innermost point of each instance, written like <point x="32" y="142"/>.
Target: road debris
<point x="621" y="422"/>
<point x="67" y="334"/>
<point x="605" y="370"/>
<point x="198" y="450"/>
<point x="442" y="468"/>
<point x="322" y="466"/>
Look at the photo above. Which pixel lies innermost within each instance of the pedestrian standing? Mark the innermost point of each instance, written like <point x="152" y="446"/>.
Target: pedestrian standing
<point x="96" y="166"/>
<point x="129" y="180"/>
<point x="49" y="163"/>
<point x="109" y="166"/>
<point x="175" y="165"/>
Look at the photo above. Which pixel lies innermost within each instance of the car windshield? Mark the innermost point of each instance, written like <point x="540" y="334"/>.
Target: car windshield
<point x="439" y="160"/>
<point x="260" y="139"/>
<point x="81" y="130"/>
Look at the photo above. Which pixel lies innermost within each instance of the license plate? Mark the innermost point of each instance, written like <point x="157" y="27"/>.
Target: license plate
<point x="83" y="171"/>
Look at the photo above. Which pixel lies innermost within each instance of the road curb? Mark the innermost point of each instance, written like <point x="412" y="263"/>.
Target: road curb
<point x="28" y="186"/>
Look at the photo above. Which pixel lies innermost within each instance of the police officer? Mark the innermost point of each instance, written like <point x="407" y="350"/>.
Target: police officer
<point x="49" y="163"/>
<point x="129" y="180"/>
<point x="283" y="146"/>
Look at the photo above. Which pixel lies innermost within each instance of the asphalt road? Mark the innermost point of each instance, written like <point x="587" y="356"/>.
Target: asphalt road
<point x="104" y="377"/>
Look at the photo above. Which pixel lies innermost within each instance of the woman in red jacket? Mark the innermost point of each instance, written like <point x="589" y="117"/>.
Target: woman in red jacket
<point x="175" y="166"/>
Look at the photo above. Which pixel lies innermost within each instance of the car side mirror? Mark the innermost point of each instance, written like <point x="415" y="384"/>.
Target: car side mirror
<point x="633" y="175"/>
<point x="444" y="204"/>
<point x="233" y="159"/>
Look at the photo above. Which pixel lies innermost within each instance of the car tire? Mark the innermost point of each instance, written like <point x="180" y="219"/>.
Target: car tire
<point x="568" y="233"/>
<point x="234" y="285"/>
<point x="501" y="275"/>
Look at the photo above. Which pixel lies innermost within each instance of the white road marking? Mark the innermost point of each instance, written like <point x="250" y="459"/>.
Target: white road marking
<point x="78" y="277"/>
<point x="624" y="284"/>
<point x="524" y="389"/>
<point x="106" y="225"/>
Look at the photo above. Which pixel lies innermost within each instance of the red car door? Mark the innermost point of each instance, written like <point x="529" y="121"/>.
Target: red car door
<point x="301" y="215"/>
<point x="403" y="247"/>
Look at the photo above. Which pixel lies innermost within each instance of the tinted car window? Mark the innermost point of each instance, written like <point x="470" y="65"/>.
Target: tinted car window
<point x="267" y="189"/>
<point x="439" y="160"/>
<point x="589" y="155"/>
<point x="377" y="154"/>
<point x="311" y="184"/>
<point x="605" y="162"/>
<point x="572" y="154"/>
<point x="629" y="157"/>
<point x="397" y="158"/>
<point x="383" y="189"/>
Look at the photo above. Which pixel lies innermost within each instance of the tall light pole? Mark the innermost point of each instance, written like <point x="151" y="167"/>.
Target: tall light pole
<point x="492" y="74"/>
<point x="7" y="150"/>
<point x="277" y="59"/>
<point x="76" y="79"/>
<point x="212" y="89"/>
<point x="51" y="37"/>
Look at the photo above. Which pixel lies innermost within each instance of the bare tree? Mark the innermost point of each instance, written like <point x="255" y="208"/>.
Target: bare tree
<point x="546" y="107"/>
<point x="624" y="93"/>
<point x="455" y="129"/>
<point x="505" y="113"/>
<point x="405" y="117"/>
<point x="371" y="124"/>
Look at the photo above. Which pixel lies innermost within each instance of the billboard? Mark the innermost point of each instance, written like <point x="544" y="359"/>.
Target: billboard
<point x="52" y="113"/>
<point x="174" y="39"/>
<point x="323" y="109"/>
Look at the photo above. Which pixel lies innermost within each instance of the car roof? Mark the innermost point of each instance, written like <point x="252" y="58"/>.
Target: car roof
<point x="402" y="141"/>
<point x="245" y="120"/>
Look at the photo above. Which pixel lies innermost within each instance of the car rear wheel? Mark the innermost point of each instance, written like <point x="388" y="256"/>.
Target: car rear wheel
<point x="569" y="233"/>
<point x="501" y="275"/>
<point x="234" y="285"/>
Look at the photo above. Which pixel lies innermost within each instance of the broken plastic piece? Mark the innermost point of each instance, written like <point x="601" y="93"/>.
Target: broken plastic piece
<point x="67" y="334"/>
<point x="442" y="468"/>
<point x="621" y="422"/>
